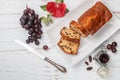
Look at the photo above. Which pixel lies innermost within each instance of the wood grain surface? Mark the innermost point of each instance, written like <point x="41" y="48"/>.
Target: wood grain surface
<point x="16" y="63"/>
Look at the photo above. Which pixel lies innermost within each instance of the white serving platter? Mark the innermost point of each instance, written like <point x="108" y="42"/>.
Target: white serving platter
<point x="87" y="45"/>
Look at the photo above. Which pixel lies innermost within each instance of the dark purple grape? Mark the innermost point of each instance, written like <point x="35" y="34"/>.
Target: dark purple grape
<point x="40" y="32"/>
<point x="21" y="19"/>
<point x="30" y="37"/>
<point x="109" y="46"/>
<point x="38" y="36"/>
<point x="31" y="40"/>
<point x="23" y="26"/>
<point x="29" y="23"/>
<point x="37" y="42"/>
<point x="114" y="50"/>
<point x="40" y="26"/>
<point x="36" y="16"/>
<point x="36" y="26"/>
<point x="31" y="18"/>
<point x="26" y="27"/>
<point x="45" y="47"/>
<point x="24" y="17"/>
<point x="36" y="30"/>
<point x="25" y="12"/>
<point x="35" y="38"/>
<point x="39" y="21"/>
<point x="34" y="34"/>
<point x="27" y="41"/>
<point x="29" y="32"/>
<point x="23" y="22"/>
<point x="35" y="21"/>
<point x="28" y="9"/>
<point x="114" y="44"/>
<point x="32" y="12"/>
<point x="32" y="29"/>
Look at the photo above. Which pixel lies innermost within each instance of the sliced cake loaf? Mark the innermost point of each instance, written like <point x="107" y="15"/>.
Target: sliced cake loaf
<point x="78" y="28"/>
<point x="68" y="46"/>
<point x="69" y="34"/>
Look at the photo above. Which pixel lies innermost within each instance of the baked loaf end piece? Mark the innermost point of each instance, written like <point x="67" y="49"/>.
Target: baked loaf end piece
<point x="106" y="15"/>
<point x="68" y="46"/>
<point x="78" y="28"/>
<point x="69" y="34"/>
<point x="94" y="18"/>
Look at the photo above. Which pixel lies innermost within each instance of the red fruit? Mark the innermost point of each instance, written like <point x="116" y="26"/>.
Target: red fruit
<point x="109" y="46"/>
<point x="114" y="50"/>
<point x="56" y="9"/>
<point x="114" y="44"/>
<point x="45" y="47"/>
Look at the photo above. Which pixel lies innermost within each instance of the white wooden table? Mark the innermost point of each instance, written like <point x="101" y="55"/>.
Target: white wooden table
<point x="16" y="63"/>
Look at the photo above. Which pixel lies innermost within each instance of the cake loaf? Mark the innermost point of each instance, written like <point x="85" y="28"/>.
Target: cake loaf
<point x="95" y="17"/>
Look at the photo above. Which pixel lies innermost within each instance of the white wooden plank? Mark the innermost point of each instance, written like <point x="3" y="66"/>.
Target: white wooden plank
<point x="10" y="34"/>
<point x="16" y="63"/>
<point x="21" y="65"/>
<point x="17" y="6"/>
<point x="12" y="20"/>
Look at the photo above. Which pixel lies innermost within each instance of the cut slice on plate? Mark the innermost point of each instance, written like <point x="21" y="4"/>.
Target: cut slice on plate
<point x="78" y="28"/>
<point x="69" y="34"/>
<point x="68" y="46"/>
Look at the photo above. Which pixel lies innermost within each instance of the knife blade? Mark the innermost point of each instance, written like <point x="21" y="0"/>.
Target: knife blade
<point x="43" y="57"/>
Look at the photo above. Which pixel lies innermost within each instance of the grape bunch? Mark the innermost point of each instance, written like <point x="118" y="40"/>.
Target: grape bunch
<point x="31" y="22"/>
<point x="112" y="47"/>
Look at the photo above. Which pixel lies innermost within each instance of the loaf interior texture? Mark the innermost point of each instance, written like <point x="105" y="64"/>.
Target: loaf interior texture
<point x="78" y="28"/>
<point x="69" y="34"/>
<point x="68" y="46"/>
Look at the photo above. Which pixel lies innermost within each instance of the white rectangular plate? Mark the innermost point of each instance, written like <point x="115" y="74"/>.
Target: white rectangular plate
<point x="87" y="45"/>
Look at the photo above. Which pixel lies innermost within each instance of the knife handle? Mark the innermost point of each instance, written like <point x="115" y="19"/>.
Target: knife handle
<point x="59" y="67"/>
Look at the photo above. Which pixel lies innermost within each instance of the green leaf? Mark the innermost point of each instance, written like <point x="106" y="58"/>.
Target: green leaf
<point x="67" y="10"/>
<point x="59" y="1"/>
<point x="48" y="16"/>
<point x="43" y="7"/>
<point x="46" y="20"/>
<point x="51" y="20"/>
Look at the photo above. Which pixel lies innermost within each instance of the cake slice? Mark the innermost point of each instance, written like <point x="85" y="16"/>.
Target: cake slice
<point x="69" y="34"/>
<point x="78" y="28"/>
<point x="68" y="46"/>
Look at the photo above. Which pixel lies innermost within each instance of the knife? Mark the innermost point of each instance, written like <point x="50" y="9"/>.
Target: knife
<point x="43" y="57"/>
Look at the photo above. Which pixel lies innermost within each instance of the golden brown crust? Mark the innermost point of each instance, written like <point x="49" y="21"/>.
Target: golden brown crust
<point x="66" y="45"/>
<point x="72" y="40"/>
<point x="79" y="28"/>
<point x="94" y="18"/>
<point x="106" y="15"/>
<point x="87" y="19"/>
